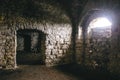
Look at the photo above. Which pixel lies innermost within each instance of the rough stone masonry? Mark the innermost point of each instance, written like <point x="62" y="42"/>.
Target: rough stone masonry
<point x="57" y="44"/>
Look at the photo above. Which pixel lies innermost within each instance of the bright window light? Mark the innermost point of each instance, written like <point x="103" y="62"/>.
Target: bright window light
<point x="100" y="22"/>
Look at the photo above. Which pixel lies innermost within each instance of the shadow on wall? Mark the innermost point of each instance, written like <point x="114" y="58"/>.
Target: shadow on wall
<point x="30" y="46"/>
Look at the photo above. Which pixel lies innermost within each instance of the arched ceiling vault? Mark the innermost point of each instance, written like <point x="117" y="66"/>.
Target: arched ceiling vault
<point x="60" y="11"/>
<point x="95" y="14"/>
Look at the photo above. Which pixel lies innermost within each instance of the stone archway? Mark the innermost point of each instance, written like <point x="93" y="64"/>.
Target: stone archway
<point x="96" y="41"/>
<point x="99" y="42"/>
<point x="30" y="46"/>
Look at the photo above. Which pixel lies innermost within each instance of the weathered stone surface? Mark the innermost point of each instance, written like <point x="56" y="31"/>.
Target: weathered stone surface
<point x="7" y="48"/>
<point x="102" y="46"/>
<point x="56" y="44"/>
<point x="98" y="47"/>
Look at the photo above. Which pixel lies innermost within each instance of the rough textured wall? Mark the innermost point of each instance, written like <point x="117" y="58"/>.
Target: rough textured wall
<point x="58" y="38"/>
<point x="98" y="47"/>
<point x="79" y="45"/>
<point x="7" y="47"/>
<point x="114" y="65"/>
<point x="34" y="41"/>
<point x="20" y="41"/>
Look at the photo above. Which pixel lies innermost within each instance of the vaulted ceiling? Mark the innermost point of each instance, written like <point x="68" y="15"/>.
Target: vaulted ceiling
<point x="60" y="11"/>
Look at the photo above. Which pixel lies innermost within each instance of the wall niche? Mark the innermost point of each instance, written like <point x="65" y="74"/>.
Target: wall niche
<point x="30" y="46"/>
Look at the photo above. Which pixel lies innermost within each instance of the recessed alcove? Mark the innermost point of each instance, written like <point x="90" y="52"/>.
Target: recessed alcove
<point x="30" y="46"/>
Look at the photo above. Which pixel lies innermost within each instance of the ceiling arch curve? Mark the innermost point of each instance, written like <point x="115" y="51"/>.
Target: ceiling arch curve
<point x="95" y="13"/>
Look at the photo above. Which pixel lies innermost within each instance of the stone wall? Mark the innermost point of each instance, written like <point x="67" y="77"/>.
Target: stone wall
<point x="57" y="42"/>
<point x="57" y="45"/>
<point x="7" y="47"/>
<point x="35" y="41"/>
<point x="114" y="65"/>
<point x="99" y="50"/>
<point x="79" y="45"/>
<point x="58" y="38"/>
<point x="98" y="47"/>
<point x="20" y="41"/>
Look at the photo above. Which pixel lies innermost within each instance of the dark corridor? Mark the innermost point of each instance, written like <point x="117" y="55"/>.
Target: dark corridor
<point x="30" y="47"/>
<point x="27" y="43"/>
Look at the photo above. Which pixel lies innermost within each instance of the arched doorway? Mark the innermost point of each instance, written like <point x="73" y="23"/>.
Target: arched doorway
<point x="99" y="35"/>
<point x="96" y="28"/>
<point x="30" y="46"/>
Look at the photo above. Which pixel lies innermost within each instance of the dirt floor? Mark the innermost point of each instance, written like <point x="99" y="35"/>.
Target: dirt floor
<point x="41" y="72"/>
<point x="35" y="72"/>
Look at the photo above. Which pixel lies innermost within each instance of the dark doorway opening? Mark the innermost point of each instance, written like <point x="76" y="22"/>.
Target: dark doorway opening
<point x="27" y="43"/>
<point x="30" y="47"/>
